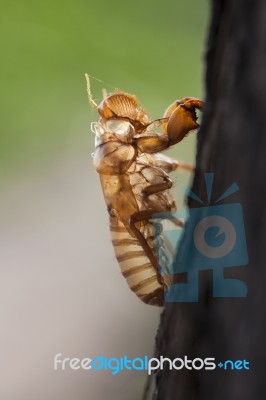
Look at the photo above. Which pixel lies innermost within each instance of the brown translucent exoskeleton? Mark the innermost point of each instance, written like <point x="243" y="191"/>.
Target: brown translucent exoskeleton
<point x="135" y="181"/>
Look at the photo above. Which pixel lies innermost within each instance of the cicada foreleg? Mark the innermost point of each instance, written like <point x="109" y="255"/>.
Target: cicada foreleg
<point x="182" y="118"/>
<point x="179" y="119"/>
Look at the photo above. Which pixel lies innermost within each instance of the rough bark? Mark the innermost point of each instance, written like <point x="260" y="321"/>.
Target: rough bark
<point x="231" y="144"/>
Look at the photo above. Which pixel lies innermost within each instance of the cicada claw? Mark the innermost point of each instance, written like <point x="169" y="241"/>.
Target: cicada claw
<point x="182" y="118"/>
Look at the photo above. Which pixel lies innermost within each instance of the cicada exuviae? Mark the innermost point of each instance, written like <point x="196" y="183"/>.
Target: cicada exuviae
<point x="135" y="181"/>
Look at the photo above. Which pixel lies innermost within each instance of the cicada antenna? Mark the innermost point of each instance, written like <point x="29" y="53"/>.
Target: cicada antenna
<point x="92" y="102"/>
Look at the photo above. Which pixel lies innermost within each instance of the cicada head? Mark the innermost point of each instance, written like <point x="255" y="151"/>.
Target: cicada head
<point x="121" y="112"/>
<point x="124" y="106"/>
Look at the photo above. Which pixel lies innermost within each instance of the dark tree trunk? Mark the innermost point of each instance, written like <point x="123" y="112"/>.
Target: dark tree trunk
<point x="232" y="145"/>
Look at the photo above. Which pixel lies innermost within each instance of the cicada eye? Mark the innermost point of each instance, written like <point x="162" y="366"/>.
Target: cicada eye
<point x="97" y="129"/>
<point x="119" y="127"/>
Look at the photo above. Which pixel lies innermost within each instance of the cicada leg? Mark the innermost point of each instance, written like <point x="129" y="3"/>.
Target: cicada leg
<point x="168" y="164"/>
<point x="182" y="118"/>
<point x="179" y="119"/>
<point x="157" y="188"/>
<point x="145" y="215"/>
<point x="186" y="166"/>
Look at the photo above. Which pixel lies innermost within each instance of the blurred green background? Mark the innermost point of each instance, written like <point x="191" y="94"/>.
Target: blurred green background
<point x="151" y="49"/>
<point x="61" y="289"/>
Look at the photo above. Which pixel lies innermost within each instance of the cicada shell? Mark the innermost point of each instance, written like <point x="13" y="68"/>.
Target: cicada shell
<point x="135" y="182"/>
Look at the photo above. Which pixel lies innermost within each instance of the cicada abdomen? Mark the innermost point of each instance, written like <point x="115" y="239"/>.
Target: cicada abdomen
<point x="136" y="185"/>
<point x="136" y="267"/>
<point x="140" y="271"/>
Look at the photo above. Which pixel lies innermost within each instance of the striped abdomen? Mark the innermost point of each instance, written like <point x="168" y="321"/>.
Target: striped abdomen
<point x="140" y="274"/>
